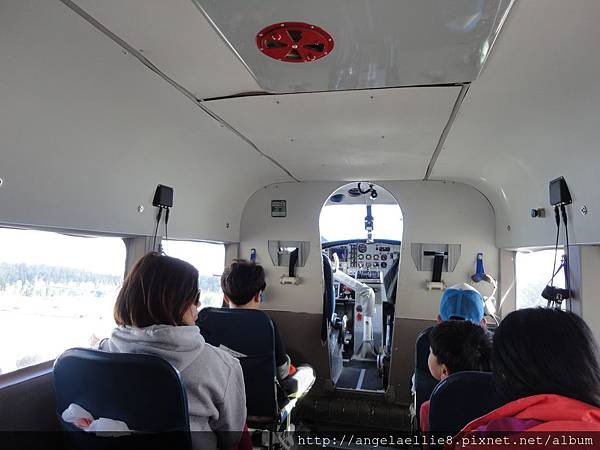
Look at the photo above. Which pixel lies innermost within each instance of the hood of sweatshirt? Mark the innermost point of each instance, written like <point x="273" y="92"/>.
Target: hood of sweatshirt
<point x="544" y="412"/>
<point x="180" y="345"/>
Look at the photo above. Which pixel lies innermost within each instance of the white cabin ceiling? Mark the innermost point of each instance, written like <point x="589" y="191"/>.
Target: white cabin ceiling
<point x="366" y="134"/>
<point x="77" y="98"/>
<point x="86" y="133"/>
<point x="388" y="44"/>
<point x="335" y="139"/>
<point x="177" y="38"/>
<point x="383" y="43"/>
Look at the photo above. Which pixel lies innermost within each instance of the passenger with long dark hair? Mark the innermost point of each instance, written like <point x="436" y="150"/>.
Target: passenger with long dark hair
<point x="546" y="367"/>
<point x="156" y="311"/>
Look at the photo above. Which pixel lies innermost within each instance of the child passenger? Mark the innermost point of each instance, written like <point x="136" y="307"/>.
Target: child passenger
<point x="455" y="346"/>
<point x="459" y="302"/>
<point x="156" y="311"/>
<point x="546" y="368"/>
<point x="243" y="284"/>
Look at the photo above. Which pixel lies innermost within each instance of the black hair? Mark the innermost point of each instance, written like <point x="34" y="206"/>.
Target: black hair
<point x="546" y="351"/>
<point x="158" y="290"/>
<point x="461" y="345"/>
<point x="242" y="280"/>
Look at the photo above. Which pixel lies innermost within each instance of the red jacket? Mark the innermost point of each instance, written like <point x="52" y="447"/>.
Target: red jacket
<point x="532" y="416"/>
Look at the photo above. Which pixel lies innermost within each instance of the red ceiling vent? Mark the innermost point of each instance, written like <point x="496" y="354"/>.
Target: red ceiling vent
<point x="294" y="42"/>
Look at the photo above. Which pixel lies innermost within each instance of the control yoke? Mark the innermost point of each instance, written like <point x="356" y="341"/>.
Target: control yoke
<point x="365" y="297"/>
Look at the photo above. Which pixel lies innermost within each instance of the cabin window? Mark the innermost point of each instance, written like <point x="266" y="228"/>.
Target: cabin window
<point x="56" y="292"/>
<point x="533" y="273"/>
<point x="209" y="259"/>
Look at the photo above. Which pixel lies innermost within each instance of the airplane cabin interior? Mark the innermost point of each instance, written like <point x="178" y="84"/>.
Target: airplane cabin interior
<point x="369" y="155"/>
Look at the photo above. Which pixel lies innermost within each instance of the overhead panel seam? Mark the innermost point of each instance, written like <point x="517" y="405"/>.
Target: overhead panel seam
<point x="440" y="145"/>
<point x="289" y="94"/>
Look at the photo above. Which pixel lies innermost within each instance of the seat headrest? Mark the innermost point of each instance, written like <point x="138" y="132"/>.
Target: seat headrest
<point x="422" y="349"/>
<point x="144" y="391"/>
<point x="250" y="329"/>
<point x="459" y="399"/>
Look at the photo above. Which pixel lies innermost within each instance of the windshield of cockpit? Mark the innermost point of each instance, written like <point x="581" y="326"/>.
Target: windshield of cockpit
<point x="347" y="222"/>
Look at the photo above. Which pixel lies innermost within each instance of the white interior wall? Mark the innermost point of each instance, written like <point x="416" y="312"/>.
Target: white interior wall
<point x="434" y="212"/>
<point x="531" y="117"/>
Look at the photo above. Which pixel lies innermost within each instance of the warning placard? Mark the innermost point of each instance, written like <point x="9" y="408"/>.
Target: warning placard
<point x="278" y="208"/>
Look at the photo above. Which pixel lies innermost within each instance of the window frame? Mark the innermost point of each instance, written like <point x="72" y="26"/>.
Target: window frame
<point x="567" y="304"/>
<point x="225" y="253"/>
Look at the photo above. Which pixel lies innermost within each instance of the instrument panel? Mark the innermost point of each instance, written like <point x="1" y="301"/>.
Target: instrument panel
<point x="365" y="261"/>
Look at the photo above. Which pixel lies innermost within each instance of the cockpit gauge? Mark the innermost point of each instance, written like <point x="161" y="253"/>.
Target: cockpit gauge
<point x="383" y="265"/>
<point x="368" y="265"/>
<point x="361" y="264"/>
<point x="362" y="248"/>
<point x="375" y="264"/>
<point x="375" y="257"/>
<point x="384" y="257"/>
<point x="361" y="256"/>
<point x="368" y="256"/>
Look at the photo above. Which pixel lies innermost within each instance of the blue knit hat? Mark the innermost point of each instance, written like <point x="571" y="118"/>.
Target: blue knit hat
<point x="462" y="301"/>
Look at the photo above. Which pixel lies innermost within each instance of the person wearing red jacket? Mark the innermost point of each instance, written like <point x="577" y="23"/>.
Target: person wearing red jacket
<point x="542" y="412"/>
<point x="546" y="367"/>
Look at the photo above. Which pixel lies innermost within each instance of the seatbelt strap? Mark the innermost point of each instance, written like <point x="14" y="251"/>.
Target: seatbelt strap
<point x="293" y="263"/>
<point x="438" y="263"/>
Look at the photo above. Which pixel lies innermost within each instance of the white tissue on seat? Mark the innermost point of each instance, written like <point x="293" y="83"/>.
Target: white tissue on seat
<point x="102" y="426"/>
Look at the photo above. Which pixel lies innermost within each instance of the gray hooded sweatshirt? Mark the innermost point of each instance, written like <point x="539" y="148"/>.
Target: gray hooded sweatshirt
<point x="212" y="379"/>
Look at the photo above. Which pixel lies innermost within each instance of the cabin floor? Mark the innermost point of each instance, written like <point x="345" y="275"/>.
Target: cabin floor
<point x="339" y="411"/>
<point x="360" y="376"/>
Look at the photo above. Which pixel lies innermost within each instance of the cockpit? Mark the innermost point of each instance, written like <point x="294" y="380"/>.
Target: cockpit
<point x="365" y="267"/>
<point x="370" y="157"/>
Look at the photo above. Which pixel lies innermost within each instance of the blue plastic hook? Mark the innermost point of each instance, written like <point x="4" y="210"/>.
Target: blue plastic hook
<point x="479" y="271"/>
